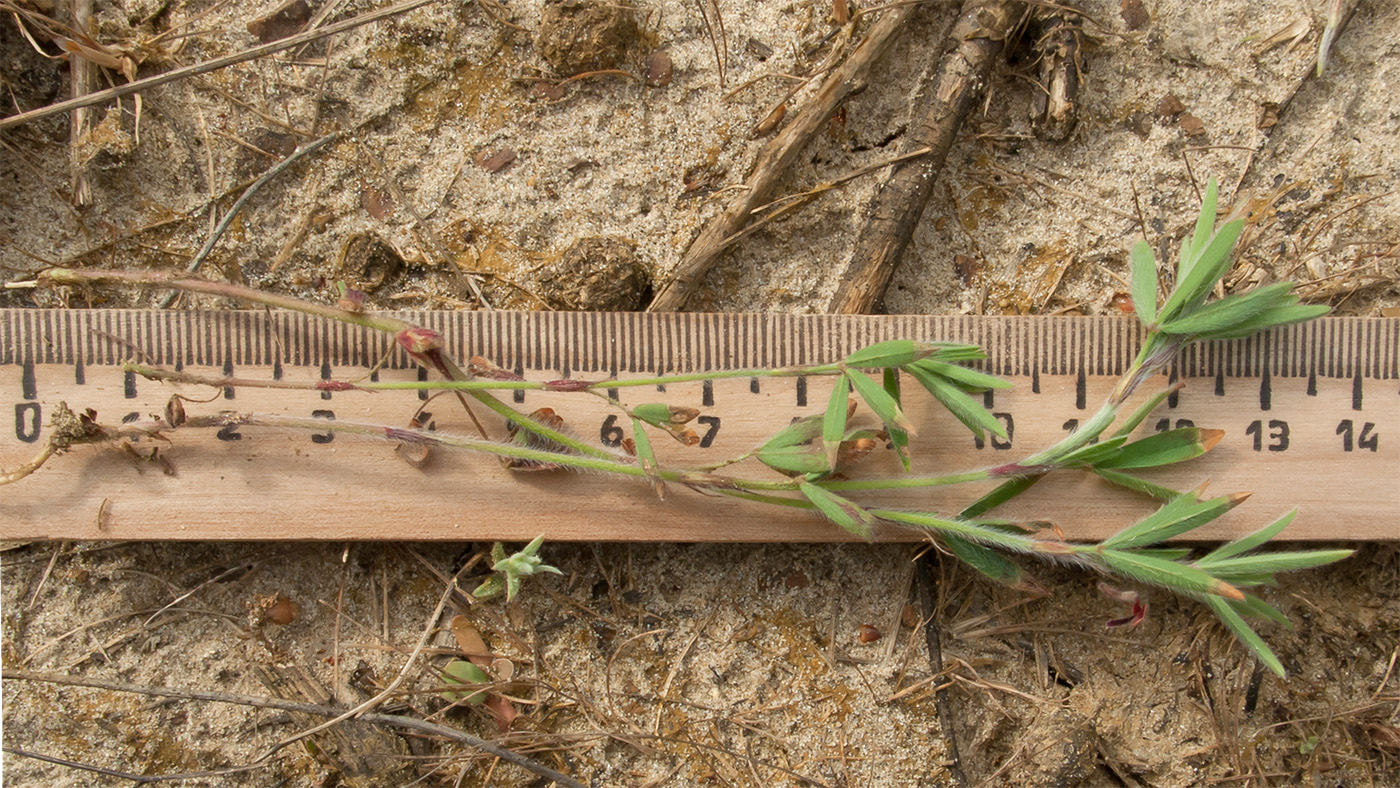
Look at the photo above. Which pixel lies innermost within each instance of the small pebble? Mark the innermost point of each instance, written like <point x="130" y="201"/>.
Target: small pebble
<point x="495" y="160"/>
<point x="659" y="68"/>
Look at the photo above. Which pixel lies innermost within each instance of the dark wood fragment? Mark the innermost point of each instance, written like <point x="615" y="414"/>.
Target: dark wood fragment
<point x="972" y="48"/>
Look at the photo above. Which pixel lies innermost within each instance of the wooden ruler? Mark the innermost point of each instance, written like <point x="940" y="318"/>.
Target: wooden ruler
<point x="1311" y="416"/>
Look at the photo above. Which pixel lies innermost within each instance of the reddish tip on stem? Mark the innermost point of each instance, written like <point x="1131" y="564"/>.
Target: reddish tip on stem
<point x="1017" y="469"/>
<point x="335" y="385"/>
<point x="568" y="385"/>
<point x="419" y="341"/>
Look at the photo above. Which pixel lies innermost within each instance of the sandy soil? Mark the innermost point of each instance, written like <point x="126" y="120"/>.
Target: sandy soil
<point x="648" y="665"/>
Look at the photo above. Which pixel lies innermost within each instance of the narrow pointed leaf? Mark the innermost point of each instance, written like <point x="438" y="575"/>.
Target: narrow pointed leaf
<point x="1271" y="563"/>
<point x="1254" y="606"/>
<point x="1246" y="635"/>
<point x="954" y="353"/>
<point x="1144" y="410"/>
<point x="799" y="460"/>
<point x="647" y="458"/>
<point x="1205" y="222"/>
<point x="1231" y="312"/>
<point x="1094" y="452"/>
<point x="985" y="560"/>
<point x="1004" y="492"/>
<point x="963" y="407"/>
<point x="899" y="439"/>
<point x="1247" y="543"/>
<point x="1144" y="283"/>
<point x="1172" y="521"/>
<point x="1163" y="448"/>
<point x="893" y="353"/>
<point x="1193" y="288"/>
<point x="834" y="422"/>
<point x="967" y="378"/>
<point x="1279" y="316"/>
<point x="1130" y="482"/>
<point x="842" y="511"/>
<point x="804" y="430"/>
<point x="1167" y="574"/>
<point x="879" y="400"/>
<point x="1165" y="553"/>
<point x="966" y="529"/>
<point x="1175" y="509"/>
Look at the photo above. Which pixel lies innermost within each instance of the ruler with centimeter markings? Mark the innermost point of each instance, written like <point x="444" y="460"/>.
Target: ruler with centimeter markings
<point x="1311" y="416"/>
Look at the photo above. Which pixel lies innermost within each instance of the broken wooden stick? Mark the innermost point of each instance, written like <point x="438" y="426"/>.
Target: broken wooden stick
<point x="973" y="46"/>
<point x="774" y="160"/>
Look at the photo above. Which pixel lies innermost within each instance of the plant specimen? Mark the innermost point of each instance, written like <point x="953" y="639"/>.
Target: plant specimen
<point x="813" y="457"/>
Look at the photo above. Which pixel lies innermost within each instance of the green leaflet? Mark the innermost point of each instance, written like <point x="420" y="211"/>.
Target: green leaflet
<point x="1205" y="222"/>
<point x="967" y="529"/>
<point x="879" y="400"/>
<point x="647" y="457"/>
<point x="1004" y="492"/>
<point x="1163" y="448"/>
<point x="841" y="511"/>
<point x="460" y="671"/>
<point x="1233" y="311"/>
<point x="1130" y="482"/>
<point x="1268" y="564"/>
<point x="956" y="354"/>
<point x="893" y="353"/>
<point x="834" y="421"/>
<point x="1165" y="553"/>
<point x="1213" y="263"/>
<point x="804" y="430"/>
<point x="1254" y="606"/>
<point x="1272" y="318"/>
<point x="1247" y="543"/>
<point x="1230" y="617"/>
<point x="899" y="439"/>
<point x="985" y="560"/>
<point x="1180" y="515"/>
<point x="799" y="460"/>
<point x="657" y="414"/>
<point x="967" y="378"/>
<point x="963" y="407"/>
<point x="1094" y="452"/>
<point x="1144" y="283"/>
<point x="1167" y="574"/>
<point x="1144" y="410"/>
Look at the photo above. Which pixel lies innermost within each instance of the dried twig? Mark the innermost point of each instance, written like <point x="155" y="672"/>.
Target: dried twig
<point x="1055" y="106"/>
<point x="928" y="594"/>
<point x="774" y="160"/>
<point x="175" y="75"/>
<point x="82" y="75"/>
<point x="973" y="46"/>
<point x="391" y="720"/>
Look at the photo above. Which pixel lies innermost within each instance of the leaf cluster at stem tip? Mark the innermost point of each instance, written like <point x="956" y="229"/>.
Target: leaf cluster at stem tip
<point x="1205" y="258"/>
